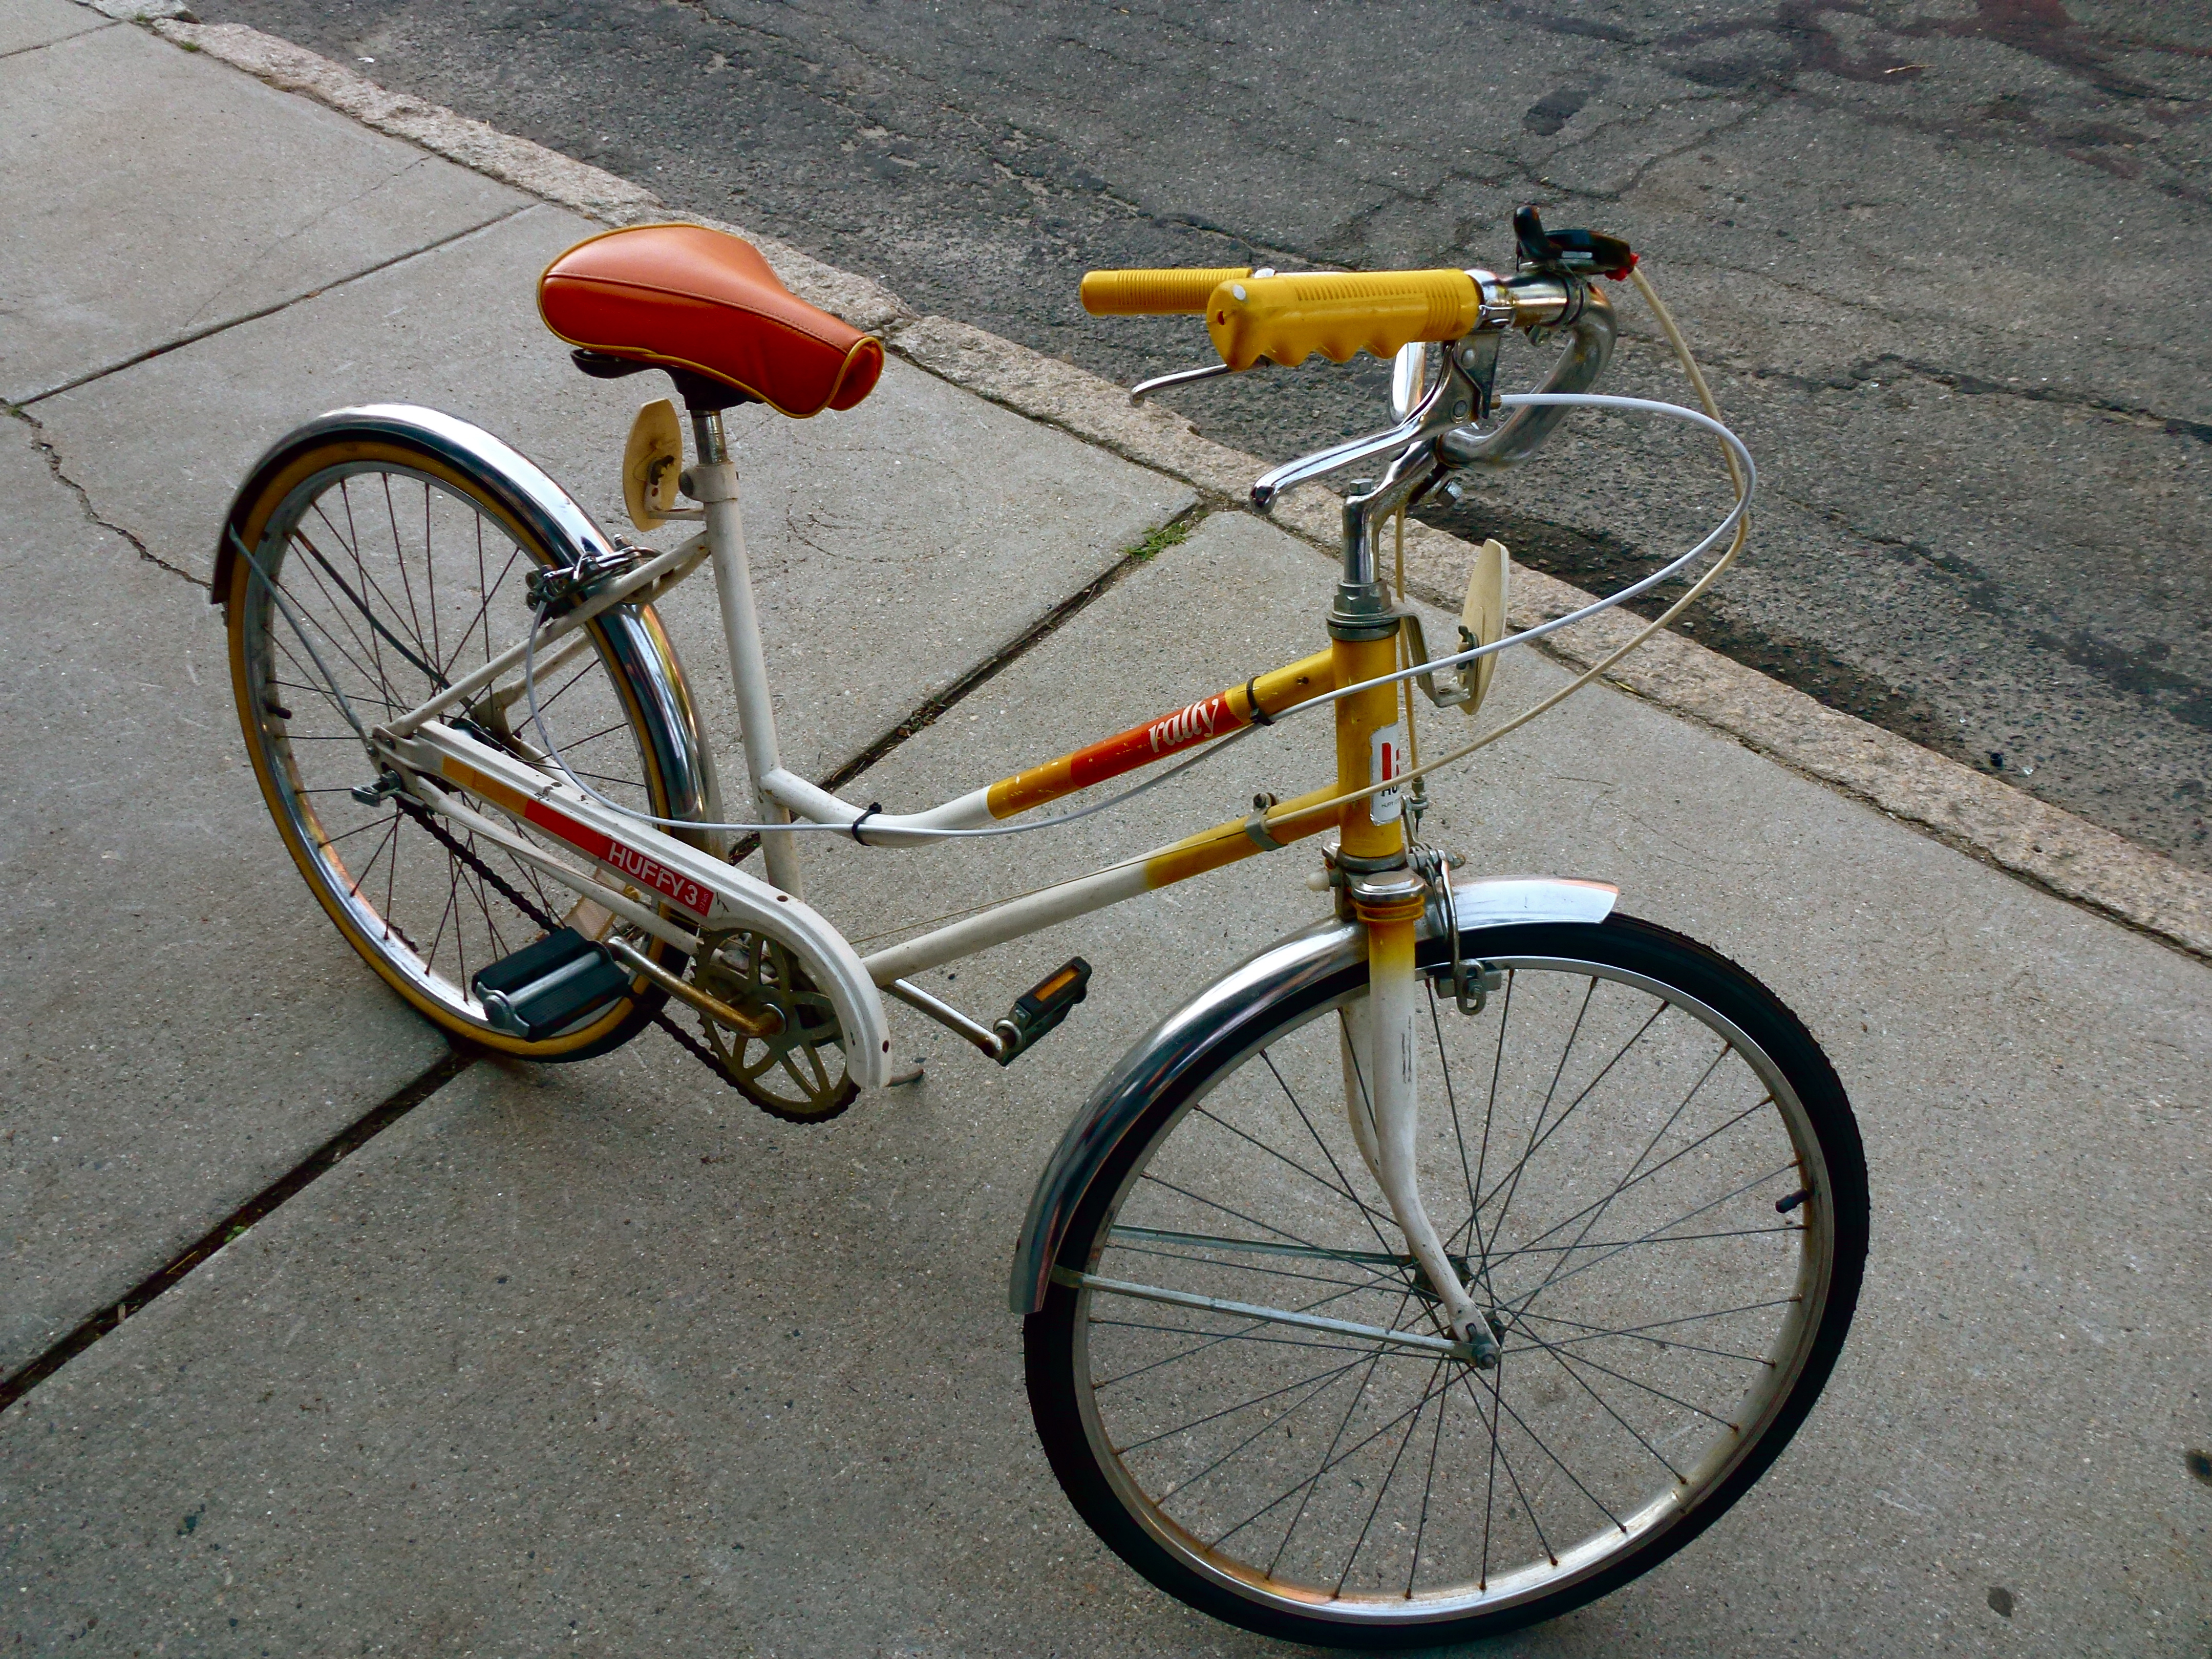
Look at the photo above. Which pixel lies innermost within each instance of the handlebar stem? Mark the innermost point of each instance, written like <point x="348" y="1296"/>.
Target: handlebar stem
<point x="1439" y="434"/>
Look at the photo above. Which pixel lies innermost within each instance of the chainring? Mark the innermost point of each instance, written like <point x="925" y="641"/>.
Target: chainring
<point x="799" y="1074"/>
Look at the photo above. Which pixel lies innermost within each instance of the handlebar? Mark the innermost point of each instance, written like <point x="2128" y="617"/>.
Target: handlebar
<point x="1286" y="319"/>
<point x="1154" y="293"/>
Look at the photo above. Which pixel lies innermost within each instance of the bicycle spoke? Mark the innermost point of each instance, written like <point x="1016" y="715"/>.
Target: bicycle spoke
<point x="1645" y="1151"/>
<point x="1659" y="1169"/>
<point x="1537" y="1142"/>
<point x="1428" y="1489"/>
<point x="1216" y="1338"/>
<point x="1231" y="1410"/>
<point x="1293" y="1163"/>
<point x="1757" y="1181"/>
<point x="1366" y="1212"/>
<point x="1511" y="1179"/>
<point x="1357" y="1394"/>
<point x="1499" y="1460"/>
<point x="1389" y="1474"/>
<point x="1224" y="1209"/>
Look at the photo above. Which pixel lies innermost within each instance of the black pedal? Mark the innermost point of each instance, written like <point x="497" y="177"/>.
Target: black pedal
<point x="548" y="986"/>
<point x="1043" y="1006"/>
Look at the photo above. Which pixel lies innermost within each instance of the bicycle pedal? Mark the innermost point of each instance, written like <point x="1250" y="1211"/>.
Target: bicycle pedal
<point x="1043" y="1006"/>
<point x="547" y="986"/>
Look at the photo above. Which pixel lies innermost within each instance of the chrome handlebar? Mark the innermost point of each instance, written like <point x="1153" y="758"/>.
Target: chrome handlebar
<point x="1540" y="306"/>
<point x="1538" y="303"/>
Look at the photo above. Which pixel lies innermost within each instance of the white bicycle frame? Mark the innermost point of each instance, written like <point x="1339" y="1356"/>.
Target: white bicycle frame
<point x="682" y="894"/>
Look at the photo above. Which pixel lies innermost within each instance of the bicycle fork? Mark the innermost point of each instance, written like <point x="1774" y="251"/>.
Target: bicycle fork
<point x="1381" y="1051"/>
<point x="1379" y="1044"/>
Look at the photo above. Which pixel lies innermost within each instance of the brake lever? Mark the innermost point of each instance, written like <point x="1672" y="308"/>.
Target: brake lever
<point x="1144" y="389"/>
<point x="1461" y="395"/>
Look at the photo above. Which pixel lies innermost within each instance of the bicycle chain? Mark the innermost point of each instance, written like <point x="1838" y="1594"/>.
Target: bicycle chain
<point x="691" y="1045"/>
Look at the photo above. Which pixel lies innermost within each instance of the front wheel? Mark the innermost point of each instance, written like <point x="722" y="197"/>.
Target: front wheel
<point x="1647" y="1173"/>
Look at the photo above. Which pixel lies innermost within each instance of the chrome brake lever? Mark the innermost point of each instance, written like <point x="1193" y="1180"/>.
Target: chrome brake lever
<point x="1144" y="389"/>
<point x="1462" y="394"/>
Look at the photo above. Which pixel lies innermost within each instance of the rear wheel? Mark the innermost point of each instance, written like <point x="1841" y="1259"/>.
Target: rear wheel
<point x="1647" y="1173"/>
<point x="402" y="567"/>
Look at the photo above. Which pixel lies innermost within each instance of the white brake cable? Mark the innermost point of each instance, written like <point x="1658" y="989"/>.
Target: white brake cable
<point x="1729" y="525"/>
<point x="553" y="752"/>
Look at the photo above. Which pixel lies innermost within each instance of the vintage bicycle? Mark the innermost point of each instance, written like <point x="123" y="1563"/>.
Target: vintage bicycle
<point x="1449" y="1262"/>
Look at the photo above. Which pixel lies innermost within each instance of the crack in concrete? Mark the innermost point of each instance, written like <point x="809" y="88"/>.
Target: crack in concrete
<point x="317" y="1164"/>
<point x="47" y="46"/>
<point x="1973" y="385"/>
<point x="47" y="448"/>
<point x="214" y="329"/>
<point x="1886" y="366"/>
<point x="261" y="255"/>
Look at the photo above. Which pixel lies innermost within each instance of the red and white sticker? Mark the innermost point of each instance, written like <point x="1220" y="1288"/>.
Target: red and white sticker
<point x="1386" y="761"/>
<point x="640" y="867"/>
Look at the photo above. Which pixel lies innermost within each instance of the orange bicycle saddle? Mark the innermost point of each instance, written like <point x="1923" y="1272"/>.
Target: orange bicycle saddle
<point x="685" y="297"/>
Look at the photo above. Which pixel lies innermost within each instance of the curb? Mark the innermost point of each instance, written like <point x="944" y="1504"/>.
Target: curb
<point x="1981" y="815"/>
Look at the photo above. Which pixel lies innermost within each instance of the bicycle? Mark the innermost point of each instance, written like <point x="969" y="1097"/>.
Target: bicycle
<point x="1317" y="1357"/>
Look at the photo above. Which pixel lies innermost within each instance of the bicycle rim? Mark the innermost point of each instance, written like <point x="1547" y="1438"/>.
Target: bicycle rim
<point x="400" y="575"/>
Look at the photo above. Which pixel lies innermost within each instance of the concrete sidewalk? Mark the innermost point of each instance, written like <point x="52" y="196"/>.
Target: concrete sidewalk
<point x="563" y="1358"/>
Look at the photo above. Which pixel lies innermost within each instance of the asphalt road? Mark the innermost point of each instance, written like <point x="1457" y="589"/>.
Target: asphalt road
<point x="1945" y="256"/>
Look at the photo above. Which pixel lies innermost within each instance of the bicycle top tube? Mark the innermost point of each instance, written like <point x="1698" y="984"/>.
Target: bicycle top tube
<point x="903" y="829"/>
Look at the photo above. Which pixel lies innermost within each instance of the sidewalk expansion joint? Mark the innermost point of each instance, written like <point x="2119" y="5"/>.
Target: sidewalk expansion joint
<point x="46" y="447"/>
<point x="264" y="1203"/>
<point x="932" y="708"/>
<point x="47" y="46"/>
<point x="224" y="327"/>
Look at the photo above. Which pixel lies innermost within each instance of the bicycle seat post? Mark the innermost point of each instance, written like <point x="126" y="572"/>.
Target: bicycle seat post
<point x="713" y="482"/>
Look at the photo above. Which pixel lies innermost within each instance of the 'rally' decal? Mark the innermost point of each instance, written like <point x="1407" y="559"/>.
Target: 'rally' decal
<point x="1187" y="726"/>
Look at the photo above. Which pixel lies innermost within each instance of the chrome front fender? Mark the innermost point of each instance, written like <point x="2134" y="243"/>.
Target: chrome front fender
<point x="1226" y="1020"/>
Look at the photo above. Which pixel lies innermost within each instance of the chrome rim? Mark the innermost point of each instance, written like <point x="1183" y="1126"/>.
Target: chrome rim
<point x="1606" y="1155"/>
<point x="403" y="584"/>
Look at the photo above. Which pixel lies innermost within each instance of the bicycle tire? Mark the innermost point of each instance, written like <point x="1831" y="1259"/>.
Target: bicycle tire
<point x="428" y="525"/>
<point x="1134" y="1421"/>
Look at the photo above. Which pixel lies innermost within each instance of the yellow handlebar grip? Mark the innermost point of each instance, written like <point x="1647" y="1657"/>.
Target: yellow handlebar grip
<point x="1153" y="292"/>
<point x="1338" y="314"/>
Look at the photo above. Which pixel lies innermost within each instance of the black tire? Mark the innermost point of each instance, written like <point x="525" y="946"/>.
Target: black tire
<point x="1161" y="1419"/>
<point x="400" y="551"/>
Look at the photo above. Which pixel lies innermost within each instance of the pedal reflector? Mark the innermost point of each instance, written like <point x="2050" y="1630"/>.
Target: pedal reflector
<point x="1043" y="1006"/>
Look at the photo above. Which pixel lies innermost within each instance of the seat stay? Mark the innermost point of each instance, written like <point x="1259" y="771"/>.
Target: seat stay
<point x="655" y="577"/>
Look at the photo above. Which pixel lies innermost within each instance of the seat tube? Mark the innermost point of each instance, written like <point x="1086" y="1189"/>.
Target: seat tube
<point x="714" y="479"/>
